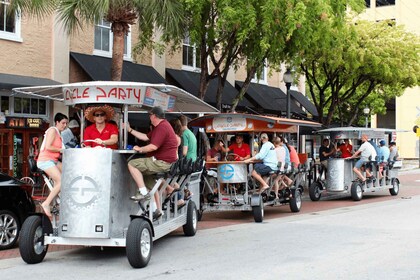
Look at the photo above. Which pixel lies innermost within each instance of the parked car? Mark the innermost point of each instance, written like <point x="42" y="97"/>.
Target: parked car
<point x="15" y="206"/>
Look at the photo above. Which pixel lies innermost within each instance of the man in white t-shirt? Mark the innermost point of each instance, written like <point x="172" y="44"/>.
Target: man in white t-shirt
<point x="365" y="151"/>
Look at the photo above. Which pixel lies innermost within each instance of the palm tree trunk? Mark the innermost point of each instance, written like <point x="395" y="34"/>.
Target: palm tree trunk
<point x="117" y="51"/>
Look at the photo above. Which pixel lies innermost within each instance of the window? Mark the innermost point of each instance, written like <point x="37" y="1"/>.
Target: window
<point x="9" y="24"/>
<point x="190" y="55"/>
<point x="4" y="103"/>
<point x="29" y="106"/>
<point x="367" y="3"/>
<point x="263" y="77"/>
<point x="380" y="3"/>
<point x="103" y="40"/>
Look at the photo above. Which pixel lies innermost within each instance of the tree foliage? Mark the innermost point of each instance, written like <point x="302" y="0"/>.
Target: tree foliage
<point x="364" y="64"/>
<point x="254" y="33"/>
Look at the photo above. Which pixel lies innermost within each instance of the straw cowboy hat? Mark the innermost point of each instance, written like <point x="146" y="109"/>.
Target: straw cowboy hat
<point x="108" y="110"/>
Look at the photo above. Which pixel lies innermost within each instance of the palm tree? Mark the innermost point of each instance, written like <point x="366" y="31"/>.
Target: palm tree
<point x="150" y="15"/>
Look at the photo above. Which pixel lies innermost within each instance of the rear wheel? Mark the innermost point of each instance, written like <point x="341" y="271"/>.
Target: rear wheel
<point x="395" y="187"/>
<point x="315" y="191"/>
<point x="295" y="202"/>
<point x="9" y="229"/>
<point x="31" y="244"/>
<point x="258" y="211"/>
<point x="356" y="191"/>
<point x="190" y="228"/>
<point x="139" y="243"/>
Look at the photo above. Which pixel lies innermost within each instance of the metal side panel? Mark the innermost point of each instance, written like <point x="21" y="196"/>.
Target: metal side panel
<point x="106" y="242"/>
<point x="96" y="187"/>
<point x="169" y="226"/>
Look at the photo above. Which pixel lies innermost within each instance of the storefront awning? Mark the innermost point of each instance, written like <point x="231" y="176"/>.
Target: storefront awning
<point x="190" y="81"/>
<point x="270" y="99"/>
<point x="305" y="102"/>
<point x="8" y="81"/>
<point x="99" y="69"/>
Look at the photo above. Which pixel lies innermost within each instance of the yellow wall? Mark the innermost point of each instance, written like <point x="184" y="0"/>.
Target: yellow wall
<point x="33" y="56"/>
<point x="405" y="12"/>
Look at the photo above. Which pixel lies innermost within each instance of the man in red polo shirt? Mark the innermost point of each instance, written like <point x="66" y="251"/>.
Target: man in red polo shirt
<point x="101" y="133"/>
<point x="239" y="148"/>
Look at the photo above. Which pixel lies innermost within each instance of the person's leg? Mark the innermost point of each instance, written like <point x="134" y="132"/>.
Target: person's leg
<point x="356" y="169"/>
<point x="137" y="176"/>
<point x="55" y="174"/>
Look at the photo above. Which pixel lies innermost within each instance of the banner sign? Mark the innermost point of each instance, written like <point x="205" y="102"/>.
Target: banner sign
<point x="231" y="123"/>
<point x="154" y="97"/>
<point x="104" y="94"/>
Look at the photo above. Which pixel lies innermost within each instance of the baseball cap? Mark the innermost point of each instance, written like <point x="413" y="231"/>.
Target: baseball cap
<point x="264" y="135"/>
<point x="382" y="142"/>
<point x="73" y="124"/>
<point x="158" y="111"/>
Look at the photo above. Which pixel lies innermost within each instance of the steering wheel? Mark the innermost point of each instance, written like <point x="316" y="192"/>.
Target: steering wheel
<point x="232" y="157"/>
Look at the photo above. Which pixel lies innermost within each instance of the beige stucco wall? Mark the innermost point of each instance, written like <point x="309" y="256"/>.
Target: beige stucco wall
<point x="405" y="12"/>
<point x="32" y="56"/>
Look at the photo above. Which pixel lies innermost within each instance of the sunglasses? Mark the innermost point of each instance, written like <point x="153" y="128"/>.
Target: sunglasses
<point x="99" y="115"/>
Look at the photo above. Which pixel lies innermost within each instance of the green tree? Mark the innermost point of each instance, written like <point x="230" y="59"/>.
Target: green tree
<point x="254" y="34"/>
<point x="365" y="64"/>
<point x="150" y="15"/>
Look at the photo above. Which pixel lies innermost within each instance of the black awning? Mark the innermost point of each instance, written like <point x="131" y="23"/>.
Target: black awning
<point x="305" y="102"/>
<point x="8" y="81"/>
<point x="270" y="99"/>
<point x="190" y="81"/>
<point x="99" y="69"/>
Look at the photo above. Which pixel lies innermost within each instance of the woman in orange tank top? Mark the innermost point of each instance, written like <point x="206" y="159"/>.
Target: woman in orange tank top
<point x="48" y="162"/>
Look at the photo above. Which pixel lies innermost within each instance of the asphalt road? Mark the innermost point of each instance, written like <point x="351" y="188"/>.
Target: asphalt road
<point x="377" y="238"/>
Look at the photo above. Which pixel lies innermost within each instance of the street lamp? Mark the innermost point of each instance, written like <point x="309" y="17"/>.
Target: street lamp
<point x="288" y="79"/>
<point x="366" y="111"/>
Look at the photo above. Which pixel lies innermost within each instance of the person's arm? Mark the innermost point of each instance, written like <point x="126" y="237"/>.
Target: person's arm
<point x="139" y="135"/>
<point x="185" y="147"/>
<point x="111" y="141"/>
<point x="145" y="149"/>
<point x="248" y="155"/>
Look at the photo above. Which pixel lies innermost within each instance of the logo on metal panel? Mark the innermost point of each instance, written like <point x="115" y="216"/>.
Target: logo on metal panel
<point x="84" y="192"/>
<point x="226" y="171"/>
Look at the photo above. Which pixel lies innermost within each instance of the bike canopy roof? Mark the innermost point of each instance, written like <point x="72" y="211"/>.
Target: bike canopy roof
<point x="339" y="133"/>
<point x="135" y="95"/>
<point x="237" y="122"/>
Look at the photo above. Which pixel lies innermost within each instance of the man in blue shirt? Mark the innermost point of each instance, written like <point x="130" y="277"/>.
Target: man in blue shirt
<point x="383" y="158"/>
<point x="269" y="162"/>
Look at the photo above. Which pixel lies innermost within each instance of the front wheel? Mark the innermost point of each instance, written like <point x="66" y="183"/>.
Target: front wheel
<point x="31" y="244"/>
<point x="356" y="191"/>
<point x="315" y="191"/>
<point x="395" y="187"/>
<point x="258" y="211"/>
<point x="139" y="243"/>
<point x="190" y="228"/>
<point x="295" y="202"/>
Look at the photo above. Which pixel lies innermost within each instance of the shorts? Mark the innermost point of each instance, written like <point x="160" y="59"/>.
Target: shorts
<point x="359" y="163"/>
<point x="44" y="165"/>
<point x="149" y="166"/>
<point x="262" y="169"/>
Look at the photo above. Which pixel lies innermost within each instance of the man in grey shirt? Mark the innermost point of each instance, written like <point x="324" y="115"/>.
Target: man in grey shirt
<point x="69" y="135"/>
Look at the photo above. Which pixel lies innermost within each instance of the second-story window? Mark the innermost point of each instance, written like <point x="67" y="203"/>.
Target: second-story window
<point x="104" y="39"/>
<point x="32" y="106"/>
<point x="9" y="24"/>
<point x="190" y="55"/>
<point x="262" y="78"/>
<point x="380" y="3"/>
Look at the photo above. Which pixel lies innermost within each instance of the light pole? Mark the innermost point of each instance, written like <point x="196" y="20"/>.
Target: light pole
<point x="288" y="79"/>
<point x="366" y="111"/>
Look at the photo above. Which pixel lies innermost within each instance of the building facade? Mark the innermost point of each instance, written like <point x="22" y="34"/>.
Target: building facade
<point x="403" y="113"/>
